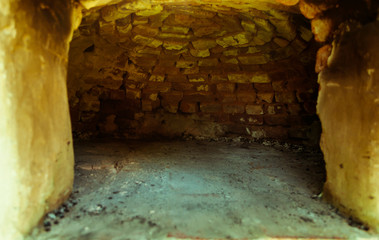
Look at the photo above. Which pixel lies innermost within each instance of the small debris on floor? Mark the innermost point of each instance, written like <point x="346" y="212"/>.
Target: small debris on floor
<point x="196" y="189"/>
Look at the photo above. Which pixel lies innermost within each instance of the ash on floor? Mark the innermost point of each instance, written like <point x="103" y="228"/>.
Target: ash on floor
<point x="195" y="190"/>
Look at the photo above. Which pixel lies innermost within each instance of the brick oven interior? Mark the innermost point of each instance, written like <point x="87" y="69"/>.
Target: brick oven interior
<point x="204" y="120"/>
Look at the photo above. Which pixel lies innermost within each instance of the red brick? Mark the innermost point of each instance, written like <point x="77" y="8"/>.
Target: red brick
<point x="255" y="120"/>
<point x="148" y="105"/>
<point x="167" y="62"/>
<point x="193" y="70"/>
<point x="229" y="98"/>
<point x="198" y="97"/>
<point x="226" y="87"/>
<point x="263" y="87"/>
<point x="181" y="86"/>
<point x="117" y="94"/>
<point x="254" y="109"/>
<point x="279" y="86"/>
<point x="165" y="70"/>
<point x="233" y="108"/>
<point x="294" y="109"/>
<point x="281" y="120"/>
<point x="219" y="78"/>
<point x="267" y="97"/>
<point x="210" y="107"/>
<point x="133" y="93"/>
<point x="176" y="78"/>
<point x="276" y="109"/>
<point x="159" y="86"/>
<point x="170" y="106"/>
<point x="246" y="96"/>
<point x="188" y="107"/>
<point x="174" y="96"/>
<point x="276" y="132"/>
<point x="245" y="86"/>
<point x="285" y="97"/>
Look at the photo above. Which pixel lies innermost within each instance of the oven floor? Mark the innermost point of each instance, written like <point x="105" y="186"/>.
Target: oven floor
<point x="195" y="190"/>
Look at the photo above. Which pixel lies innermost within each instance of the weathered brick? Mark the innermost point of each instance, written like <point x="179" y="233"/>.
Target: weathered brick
<point x="106" y="28"/>
<point x="147" y="41"/>
<point x="227" y="67"/>
<point x="263" y="87"/>
<point x="148" y="105"/>
<point x="276" y="109"/>
<point x="276" y="132"/>
<point x="137" y="20"/>
<point x="210" y="107"/>
<point x="245" y="87"/>
<point x="246" y="96"/>
<point x="144" y="61"/>
<point x="170" y="106"/>
<point x="238" y="117"/>
<point x="167" y="62"/>
<point x="174" y="44"/>
<point x="175" y="29"/>
<point x="254" y="59"/>
<point x="254" y="109"/>
<point x="117" y="94"/>
<point x="281" y="120"/>
<point x="159" y="86"/>
<point x="257" y="77"/>
<point x="160" y="70"/>
<point x="206" y="30"/>
<point x="89" y="104"/>
<point x="229" y="98"/>
<point x="146" y="30"/>
<point x="198" y="97"/>
<point x="310" y="107"/>
<point x="233" y="108"/>
<point x="294" y="109"/>
<point x="226" y="87"/>
<point x="176" y="78"/>
<point x="285" y="97"/>
<point x="188" y="107"/>
<point x="185" y="63"/>
<point x="150" y="94"/>
<point x="200" y="53"/>
<point x="255" y="120"/>
<point x="281" y="42"/>
<point x="197" y="78"/>
<point x="157" y="78"/>
<point x="202" y="87"/>
<point x="219" y="78"/>
<point x="181" y="86"/>
<point x="229" y="60"/>
<point x="173" y="96"/>
<point x="110" y="13"/>
<point x="208" y="62"/>
<point x="193" y="70"/>
<point x="133" y="93"/>
<point x="204" y="43"/>
<point x="279" y="86"/>
<point x="266" y="96"/>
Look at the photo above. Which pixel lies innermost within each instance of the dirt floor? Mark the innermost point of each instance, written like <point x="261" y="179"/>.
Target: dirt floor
<point x="196" y="190"/>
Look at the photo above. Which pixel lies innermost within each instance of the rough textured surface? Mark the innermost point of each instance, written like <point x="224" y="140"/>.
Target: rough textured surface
<point x="35" y="133"/>
<point x="197" y="190"/>
<point x="132" y="71"/>
<point x="350" y="131"/>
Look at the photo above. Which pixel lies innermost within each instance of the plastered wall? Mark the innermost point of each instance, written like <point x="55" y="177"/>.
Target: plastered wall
<point x="35" y="132"/>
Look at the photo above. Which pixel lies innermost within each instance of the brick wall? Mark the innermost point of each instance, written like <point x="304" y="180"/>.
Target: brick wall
<point x="198" y="70"/>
